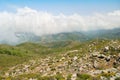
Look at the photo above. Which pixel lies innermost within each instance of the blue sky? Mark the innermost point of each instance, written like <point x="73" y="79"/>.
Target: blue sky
<point x="63" y="6"/>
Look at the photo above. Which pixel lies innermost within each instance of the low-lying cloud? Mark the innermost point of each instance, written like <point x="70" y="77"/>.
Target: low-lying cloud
<point x="40" y="23"/>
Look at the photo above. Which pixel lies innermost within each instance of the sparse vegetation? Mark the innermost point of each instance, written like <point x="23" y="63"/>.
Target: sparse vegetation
<point x="43" y="61"/>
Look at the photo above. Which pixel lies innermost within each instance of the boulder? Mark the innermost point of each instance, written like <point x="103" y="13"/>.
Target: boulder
<point x="75" y="58"/>
<point x="108" y="58"/>
<point x="106" y="48"/>
<point x="96" y="64"/>
<point x="101" y="56"/>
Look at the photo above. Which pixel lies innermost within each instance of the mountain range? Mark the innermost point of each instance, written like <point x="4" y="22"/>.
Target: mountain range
<point x="65" y="36"/>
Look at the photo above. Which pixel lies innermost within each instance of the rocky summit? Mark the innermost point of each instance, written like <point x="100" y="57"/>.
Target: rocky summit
<point x="93" y="60"/>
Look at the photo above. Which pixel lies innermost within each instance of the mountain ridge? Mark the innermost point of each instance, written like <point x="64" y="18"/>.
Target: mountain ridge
<point x="81" y="36"/>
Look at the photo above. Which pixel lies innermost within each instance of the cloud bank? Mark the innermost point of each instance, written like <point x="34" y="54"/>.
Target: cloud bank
<point x="40" y="23"/>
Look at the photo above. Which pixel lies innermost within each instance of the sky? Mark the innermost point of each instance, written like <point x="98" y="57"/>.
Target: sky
<point x="43" y="17"/>
<point x="84" y="7"/>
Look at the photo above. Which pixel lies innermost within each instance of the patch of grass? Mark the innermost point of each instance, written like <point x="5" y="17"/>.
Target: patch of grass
<point x="36" y="76"/>
<point x="84" y="77"/>
<point x="69" y="76"/>
<point x="106" y="75"/>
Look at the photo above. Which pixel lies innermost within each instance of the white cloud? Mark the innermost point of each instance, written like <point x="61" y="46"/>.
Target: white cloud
<point x="115" y="13"/>
<point x="30" y="20"/>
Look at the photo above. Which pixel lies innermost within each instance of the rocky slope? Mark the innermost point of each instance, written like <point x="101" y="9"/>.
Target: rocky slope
<point x="98" y="60"/>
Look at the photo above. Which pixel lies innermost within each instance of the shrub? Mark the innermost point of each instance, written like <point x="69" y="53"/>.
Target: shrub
<point x="118" y="78"/>
<point x="59" y="76"/>
<point x="69" y="77"/>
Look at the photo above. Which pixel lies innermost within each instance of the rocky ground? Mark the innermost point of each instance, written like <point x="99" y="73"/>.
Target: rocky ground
<point x="98" y="63"/>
